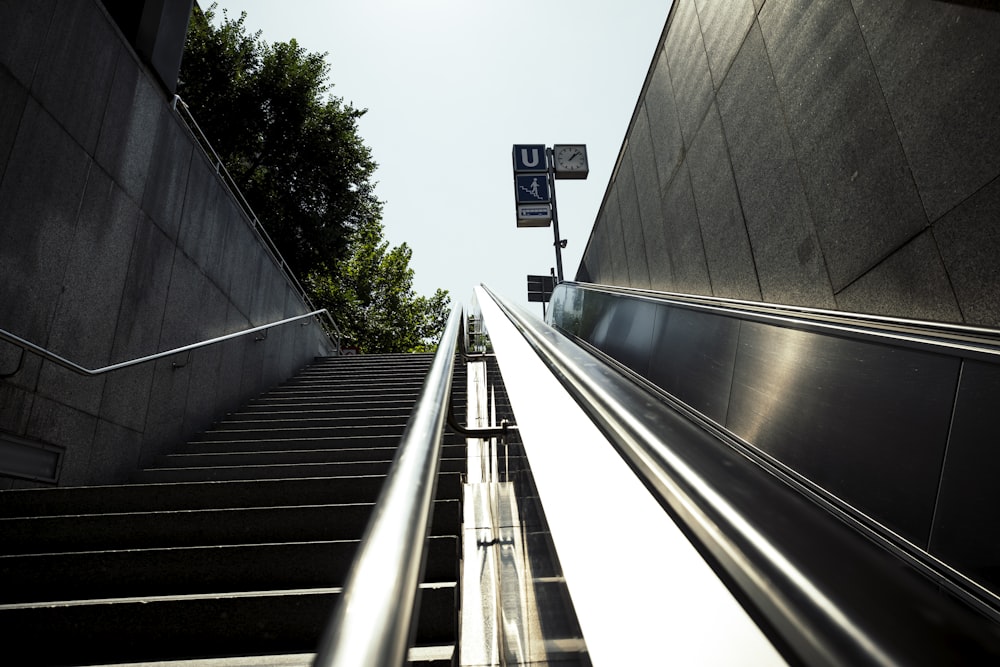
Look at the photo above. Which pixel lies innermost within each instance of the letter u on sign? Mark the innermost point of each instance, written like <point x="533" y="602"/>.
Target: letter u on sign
<point x="529" y="157"/>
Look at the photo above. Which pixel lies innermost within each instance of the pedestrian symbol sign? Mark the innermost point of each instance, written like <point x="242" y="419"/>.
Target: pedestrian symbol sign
<point x="531" y="188"/>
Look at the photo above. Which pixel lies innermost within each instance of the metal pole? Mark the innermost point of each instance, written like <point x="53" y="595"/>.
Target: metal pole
<point x="550" y="163"/>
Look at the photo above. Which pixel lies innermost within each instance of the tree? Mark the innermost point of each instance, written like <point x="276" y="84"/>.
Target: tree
<point x="374" y="298"/>
<point x="293" y="150"/>
<point x="295" y="153"/>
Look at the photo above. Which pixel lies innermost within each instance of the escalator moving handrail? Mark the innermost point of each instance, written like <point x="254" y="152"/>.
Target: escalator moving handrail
<point x="373" y="621"/>
<point x="821" y="591"/>
<point x="939" y="337"/>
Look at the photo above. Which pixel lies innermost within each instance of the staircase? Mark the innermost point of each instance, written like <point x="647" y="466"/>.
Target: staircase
<point x="236" y="544"/>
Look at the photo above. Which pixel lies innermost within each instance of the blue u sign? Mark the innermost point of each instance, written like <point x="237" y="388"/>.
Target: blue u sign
<point x="529" y="157"/>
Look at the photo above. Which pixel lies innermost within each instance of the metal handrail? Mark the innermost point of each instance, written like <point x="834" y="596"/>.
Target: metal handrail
<point x="804" y="575"/>
<point x="270" y="246"/>
<point x="77" y="368"/>
<point x="921" y="334"/>
<point x="373" y="621"/>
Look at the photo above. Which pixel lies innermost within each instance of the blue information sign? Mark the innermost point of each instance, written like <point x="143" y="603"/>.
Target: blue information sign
<point x="531" y="188"/>
<point x="529" y="157"/>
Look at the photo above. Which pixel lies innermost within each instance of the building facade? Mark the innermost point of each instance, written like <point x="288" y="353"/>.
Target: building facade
<point x="837" y="154"/>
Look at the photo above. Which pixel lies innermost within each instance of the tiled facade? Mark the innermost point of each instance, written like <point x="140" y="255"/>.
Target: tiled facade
<point x="838" y="154"/>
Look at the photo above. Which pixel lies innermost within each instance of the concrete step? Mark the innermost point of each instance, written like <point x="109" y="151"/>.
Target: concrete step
<point x="334" y="392"/>
<point x="195" y="570"/>
<point x="381" y="360"/>
<point x="322" y="411"/>
<point x="232" y="432"/>
<point x="274" y="457"/>
<point x="423" y="656"/>
<point x="290" y="455"/>
<point x="334" y="395"/>
<point x="278" y="443"/>
<point x="273" y="443"/>
<point x="306" y="406"/>
<point x="205" y="527"/>
<point x="187" y="627"/>
<point x="279" y="421"/>
<point x="224" y="432"/>
<point x="413" y="380"/>
<point x="236" y="545"/>
<point x="279" y="471"/>
<point x="346" y="385"/>
<point x="373" y="376"/>
<point x="252" y="472"/>
<point x="202" y="495"/>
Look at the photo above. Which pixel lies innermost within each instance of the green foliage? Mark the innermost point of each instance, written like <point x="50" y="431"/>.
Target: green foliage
<point x="374" y="296"/>
<point x="293" y="150"/>
<point x="295" y="153"/>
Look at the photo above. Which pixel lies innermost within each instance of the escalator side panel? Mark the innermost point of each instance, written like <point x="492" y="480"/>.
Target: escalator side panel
<point x="693" y="358"/>
<point x="882" y="429"/>
<point x="866" y="422"/>
<point x="968" y="508"/>
<point x="622" y="328"/>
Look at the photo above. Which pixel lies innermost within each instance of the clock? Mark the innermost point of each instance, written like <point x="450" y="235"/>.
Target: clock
<point x="570" y="160"/>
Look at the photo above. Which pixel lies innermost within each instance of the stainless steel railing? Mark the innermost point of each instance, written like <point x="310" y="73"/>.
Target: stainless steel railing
<point x="77" y="368"/>
<point x="372" y="623"/>
<point x="977" y="342"/>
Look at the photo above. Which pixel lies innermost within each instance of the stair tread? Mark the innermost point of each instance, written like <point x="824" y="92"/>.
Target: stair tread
<point x="168" y="496"/>
<point x="288" y="457"/>
<point x="193" y="626"/>
<point x="186" y="565"/>
<point x="85" y="532"/>
<point x="281" y="470"/>
<point x="202" y="569"/>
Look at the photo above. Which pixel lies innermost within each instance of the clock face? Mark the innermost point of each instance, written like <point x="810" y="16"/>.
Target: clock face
<point x="571" y="158"/>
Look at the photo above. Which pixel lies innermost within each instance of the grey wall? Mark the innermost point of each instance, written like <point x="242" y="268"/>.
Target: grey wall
<point x="838" y="154"/>
<point x="117" y="240"/>
<point x="156" y="30"/>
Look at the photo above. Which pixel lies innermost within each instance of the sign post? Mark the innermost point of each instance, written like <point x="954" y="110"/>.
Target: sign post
<point x="536" y="168"/>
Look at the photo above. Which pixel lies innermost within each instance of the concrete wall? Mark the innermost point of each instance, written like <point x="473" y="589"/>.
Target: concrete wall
<point x="156" y="30"/>
<point x="838" y="154"/>
<point x="117" y="240"/>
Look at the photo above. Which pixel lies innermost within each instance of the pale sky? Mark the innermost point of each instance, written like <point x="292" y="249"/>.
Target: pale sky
<point x="450" y="86"/>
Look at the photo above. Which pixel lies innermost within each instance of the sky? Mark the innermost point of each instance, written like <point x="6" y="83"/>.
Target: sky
<point x="450" y="86"/>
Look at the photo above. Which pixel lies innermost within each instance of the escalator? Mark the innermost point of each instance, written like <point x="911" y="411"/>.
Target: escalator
<point x="690" y="481"/>
<point x="809" y="457"/>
